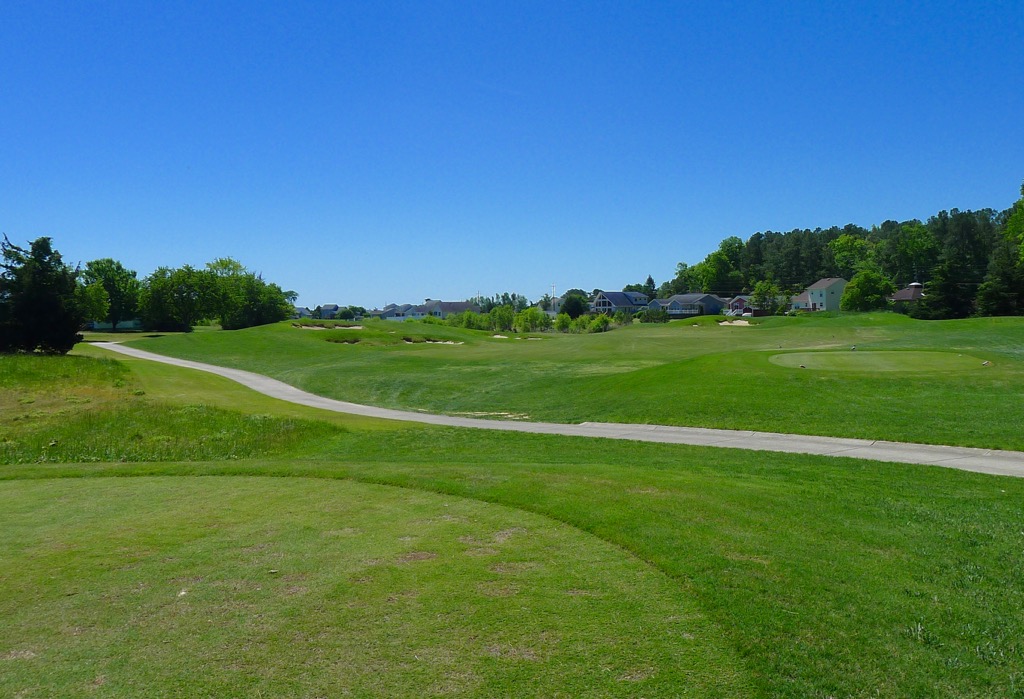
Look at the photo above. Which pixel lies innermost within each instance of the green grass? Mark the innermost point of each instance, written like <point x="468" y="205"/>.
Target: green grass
<point x="682" y="373"/>
<point x="243" y="587"/>
<point x="718" y="572"/>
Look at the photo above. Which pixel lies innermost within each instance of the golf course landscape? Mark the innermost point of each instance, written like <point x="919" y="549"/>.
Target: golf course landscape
<point x="169" y="532"/>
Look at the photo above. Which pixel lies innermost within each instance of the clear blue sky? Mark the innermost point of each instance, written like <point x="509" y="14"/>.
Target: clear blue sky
<point x="374" y="152"/>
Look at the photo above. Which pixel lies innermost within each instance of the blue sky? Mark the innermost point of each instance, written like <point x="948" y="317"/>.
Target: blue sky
<point x="366" y="153"/>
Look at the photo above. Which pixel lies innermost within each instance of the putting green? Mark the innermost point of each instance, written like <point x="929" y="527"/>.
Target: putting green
<point x="849" y="360"/>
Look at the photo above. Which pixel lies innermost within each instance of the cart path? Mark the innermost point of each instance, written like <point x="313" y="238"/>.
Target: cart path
<point x="992" y="461"/>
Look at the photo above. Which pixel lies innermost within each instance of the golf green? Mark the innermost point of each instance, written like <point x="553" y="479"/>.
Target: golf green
<point x="853" y="360"/>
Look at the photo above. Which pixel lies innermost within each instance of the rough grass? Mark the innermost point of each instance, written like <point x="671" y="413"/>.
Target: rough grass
<point x="681" y="373"/>
<point x="65" y="409"/>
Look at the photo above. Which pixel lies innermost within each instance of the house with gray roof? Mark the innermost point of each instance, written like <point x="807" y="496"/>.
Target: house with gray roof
<point x="611" y="302"/>
<point x="686" y="305"/>
<point x="822" y="295"/>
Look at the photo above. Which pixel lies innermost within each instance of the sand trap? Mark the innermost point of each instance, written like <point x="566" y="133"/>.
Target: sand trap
<point x="735" y="322"/>
<point x="324" y="327"/>
<point x="500" y="337"/>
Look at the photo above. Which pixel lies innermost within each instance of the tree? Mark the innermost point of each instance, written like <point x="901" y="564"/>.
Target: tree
<point x="122" y="289"/>
<point x="92" y="300"/>
<point x="176" y="299"/>
<point x="574" y="305"/>
<point x="869" y="290"/>
<point x="39" y="308"/>
<point x="766" y="297"/>
<point x="502" y="317"/>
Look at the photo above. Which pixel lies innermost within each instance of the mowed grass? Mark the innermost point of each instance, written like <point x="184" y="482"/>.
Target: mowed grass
<point x="242" y="587"/>
<point x="804" y="576"/>
<point x="683" y="373"/>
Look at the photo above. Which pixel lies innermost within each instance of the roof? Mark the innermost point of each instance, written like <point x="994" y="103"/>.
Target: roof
<point x="458" y="306"/>
<point x="912" y="293"/>
<point x="825" y="283"/>
<point x="802" y="297"/>
<point x="693" y="298"/>
<point x="625" y="298"/>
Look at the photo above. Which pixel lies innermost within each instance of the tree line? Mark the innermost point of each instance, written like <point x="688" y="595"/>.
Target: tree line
<point x="970" y="263"/>
<point x="44" y="302"/>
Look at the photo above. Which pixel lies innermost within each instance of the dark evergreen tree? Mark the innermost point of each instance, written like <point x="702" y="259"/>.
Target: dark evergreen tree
<point x="38" y="306"/>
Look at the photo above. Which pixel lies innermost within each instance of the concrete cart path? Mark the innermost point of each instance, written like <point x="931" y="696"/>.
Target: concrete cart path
<point x="993" y="461"/>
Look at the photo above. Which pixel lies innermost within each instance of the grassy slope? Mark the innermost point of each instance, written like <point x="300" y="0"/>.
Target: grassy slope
<point x="680" y="373"/>
<point x="823" y="577"/>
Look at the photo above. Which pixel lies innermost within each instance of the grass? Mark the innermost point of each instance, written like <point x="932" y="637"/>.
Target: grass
<point x="725" y="573"/>
<point x="261" y="587"/>
<point x="698" y="374"/>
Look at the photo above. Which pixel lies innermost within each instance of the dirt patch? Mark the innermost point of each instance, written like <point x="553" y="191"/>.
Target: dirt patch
<point x="512" y="653"/>
<point x="494" y="589"/>
<point x="19" y="655"/>
<point x="416" y="556"/>
<point x="637" y="675"/>
<point x="506" y="534"/>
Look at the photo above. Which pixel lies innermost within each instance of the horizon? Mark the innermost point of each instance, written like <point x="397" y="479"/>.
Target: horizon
<point x="359" y="155"/>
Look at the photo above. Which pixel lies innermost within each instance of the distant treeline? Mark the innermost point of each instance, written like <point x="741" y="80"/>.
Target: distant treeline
<point x="45" y="302"/>
<point x="970" y="262"/>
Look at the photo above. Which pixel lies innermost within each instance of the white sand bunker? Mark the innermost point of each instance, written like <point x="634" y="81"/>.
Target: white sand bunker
<point x="735" y="322"/>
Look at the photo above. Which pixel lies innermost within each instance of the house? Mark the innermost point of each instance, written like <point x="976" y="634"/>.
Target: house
<point x="685" y="305"/>
<point x="396" y="311"/>
<point x="328" y="311"/>
<point x="301" y="312"/>
<point x="822" y="295"/>
<point x="738" y="304"/>
<point x="443" y="309"/>
<point x="611" y="302"/>
<point x="904" y="298"/>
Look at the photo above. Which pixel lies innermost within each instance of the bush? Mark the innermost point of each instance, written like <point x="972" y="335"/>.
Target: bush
<point x="563" y="322"/>
<point x="599" y="324"/>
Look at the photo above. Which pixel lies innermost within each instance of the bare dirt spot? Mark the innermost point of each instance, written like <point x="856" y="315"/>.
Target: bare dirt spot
<point x="296" y="590"/>
<point x="416" y="556"/>
<point x="512" y="653"/>
<point x="506" y="534"/>
<point x="495" y="589"/>
<point x="637" y="675"/>
<point x="19" y="655"/>
<point x="582" y="593"/>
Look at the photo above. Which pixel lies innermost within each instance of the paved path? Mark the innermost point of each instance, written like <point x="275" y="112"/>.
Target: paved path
<point x="994" y="461"/>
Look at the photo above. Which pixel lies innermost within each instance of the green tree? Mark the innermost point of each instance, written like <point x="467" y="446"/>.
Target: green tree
<point x="502" y="317"/>
<point x="93" y="301"/>
<point x="574" y="305"/>
<point x="563" y="322"/>
<point x="177" y="299"/>
<point x="766" y="296"/>
<point x="869" y="290"/>
<point x="39" y="308"/>
<point x="122" y="287"/>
